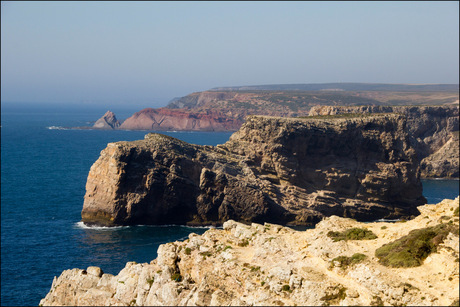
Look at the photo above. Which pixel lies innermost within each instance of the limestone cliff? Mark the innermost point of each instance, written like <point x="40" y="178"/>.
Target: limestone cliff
<point x="433" y="131"/>
<point x="268" y="265"/>
<point x="107" y="121"/>
<point x="281" y="170"/>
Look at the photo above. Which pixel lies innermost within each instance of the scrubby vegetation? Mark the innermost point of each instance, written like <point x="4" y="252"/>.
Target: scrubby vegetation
<point x="352" y="234"/>
<point x="345" y="261"/>
<point x="243" y="243"/>
<point x="335" y="295"/>
<point x="412" y="249"/>
<point x="286" y="288"/>
<point x="150" y="281"/>
<point x="176" y="277"/>
<point x="456" y="211"/>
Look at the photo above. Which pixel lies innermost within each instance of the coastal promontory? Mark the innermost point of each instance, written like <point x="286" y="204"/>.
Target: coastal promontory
<point x="291" y="171"/>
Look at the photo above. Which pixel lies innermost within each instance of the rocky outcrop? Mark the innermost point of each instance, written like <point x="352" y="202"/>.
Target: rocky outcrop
<point x="444" y="162"/>
<point x="227" y="108"/>
<point x="433" y="131"/>
<point x="280" y="170"/>
<point x="267" y="265"/>
<point x="108" y="121"/>
<point x="180" y="119"/>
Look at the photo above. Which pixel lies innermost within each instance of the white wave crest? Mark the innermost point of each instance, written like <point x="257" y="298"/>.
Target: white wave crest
<point x="84" y="226"/>
<point x="386" y="220"/>
<point x="57" y="128"/>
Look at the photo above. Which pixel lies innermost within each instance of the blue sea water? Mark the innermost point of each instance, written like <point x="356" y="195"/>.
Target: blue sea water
<point x="43" y="176"/>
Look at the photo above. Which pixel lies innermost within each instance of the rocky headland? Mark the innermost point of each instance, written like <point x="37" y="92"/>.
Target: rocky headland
<point x="271" y="265"/>
<point x="291" y="171"/>
<point x="181" y="119"/>
<point x="225" y="109"/>
<point x="433" y="132"/>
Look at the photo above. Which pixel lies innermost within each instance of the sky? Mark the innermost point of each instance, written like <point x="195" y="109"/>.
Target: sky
<point x="146" y="53"/>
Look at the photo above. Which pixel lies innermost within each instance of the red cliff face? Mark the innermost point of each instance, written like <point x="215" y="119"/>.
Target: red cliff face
<point x="180" y="119"/>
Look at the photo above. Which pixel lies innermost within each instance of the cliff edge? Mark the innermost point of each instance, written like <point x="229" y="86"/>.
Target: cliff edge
<point x="180" y="119"/>
<point x="271" y="265"/>
<point x="433" y="132"/>
<point x="291" y="171"/>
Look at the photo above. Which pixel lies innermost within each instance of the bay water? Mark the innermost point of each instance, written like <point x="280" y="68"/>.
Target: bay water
<point x="44" y="167"/>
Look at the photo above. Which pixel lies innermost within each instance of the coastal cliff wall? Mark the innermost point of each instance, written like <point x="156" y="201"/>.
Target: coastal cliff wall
<point x="433" y="131"/>
<point x="268" y="265"/>
<point x="180" y="119"/>
<point x="280" y="170"/>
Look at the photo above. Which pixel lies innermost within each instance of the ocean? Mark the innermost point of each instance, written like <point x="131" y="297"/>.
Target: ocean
<point x="44" y="167"/>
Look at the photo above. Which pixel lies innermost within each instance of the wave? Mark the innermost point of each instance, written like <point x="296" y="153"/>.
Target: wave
<point x="441" y="179"/>
<point x="386" y="221"/>
<point x="93" y="227"/>
<point x="57" y="128"/>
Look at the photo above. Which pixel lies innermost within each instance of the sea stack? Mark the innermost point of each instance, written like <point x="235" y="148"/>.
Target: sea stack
<point x="290" y="171"/>
<point x="108" y="121"/>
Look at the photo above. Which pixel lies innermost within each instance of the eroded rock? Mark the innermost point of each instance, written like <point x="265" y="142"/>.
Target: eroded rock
<point x="299" y="271"/>
<point x="433" y="132"/>
<point x="278" y="170"/>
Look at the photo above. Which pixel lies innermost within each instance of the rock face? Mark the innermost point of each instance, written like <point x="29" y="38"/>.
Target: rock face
<point x="268" y="265"/>
<point x="180" y="119"/>
<point x="280" y="170"/>
<point x="433" y="131"/>
<point x="108" y="121"/>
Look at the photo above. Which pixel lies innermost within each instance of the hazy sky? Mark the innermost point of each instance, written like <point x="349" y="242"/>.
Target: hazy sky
<point x="142" y="53"/>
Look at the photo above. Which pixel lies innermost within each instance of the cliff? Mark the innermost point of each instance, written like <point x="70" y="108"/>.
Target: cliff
<point x="180" y="119"/>
<point x="107" y="121"/>
<point x="267" y="265"/>
<point x="433" y="131"/>
<point x="280" y="170"/>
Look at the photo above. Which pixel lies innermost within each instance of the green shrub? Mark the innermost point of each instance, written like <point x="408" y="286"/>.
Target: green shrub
<point x="255" y="268"/>
<point x="384" y="227"/>
<point x="188" y="251"/>
<point x="346" y="261"/>
<point x="376" y="301"/>
<point x="337" y="295"/>
<point x="456" y="211"/>
<point x="286" y="288"/>
<point x="176" y="277"/>
<point x="412" y="249"/>
<point x="150" y="281"/>
<point x="243" y="243"/>
<point x="352" y="234"/>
